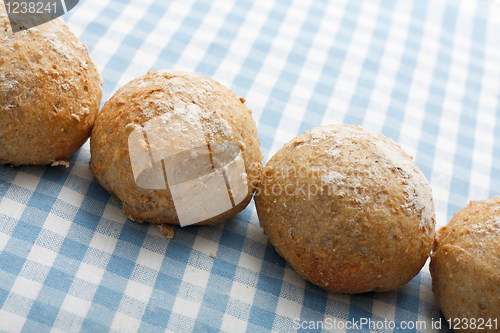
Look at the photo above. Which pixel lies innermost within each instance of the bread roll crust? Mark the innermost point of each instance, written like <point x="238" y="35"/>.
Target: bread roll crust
<point x="159" y="94"/>
<point x="354" y="215"/>
<point x="465" y="265"/>
<point x="50" y="93"/>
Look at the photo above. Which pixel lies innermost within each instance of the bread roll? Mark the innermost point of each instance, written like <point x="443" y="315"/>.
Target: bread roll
<point x="348" y="209"/>
<point x="50" y="93"/>
<point x="176" y="148"/>
<point x="465" y="268"/>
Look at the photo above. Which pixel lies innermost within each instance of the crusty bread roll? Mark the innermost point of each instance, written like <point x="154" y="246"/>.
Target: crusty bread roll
<point x="347" y="209"/>
<point x="50" y="93"/>
<point x="465" y="268"/>
<point x="176" y="148"/>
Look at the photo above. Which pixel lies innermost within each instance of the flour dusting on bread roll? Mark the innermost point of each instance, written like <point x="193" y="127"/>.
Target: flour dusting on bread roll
<point x="50" y="92"/>
<point x="348" y="209"/>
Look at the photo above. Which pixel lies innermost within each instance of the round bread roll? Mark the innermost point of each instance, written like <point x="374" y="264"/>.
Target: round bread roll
<point x="176" y="148"/>
<point x="465" y="268"/>
<point x="50" y="93"/>
<point x="348" y="209"/>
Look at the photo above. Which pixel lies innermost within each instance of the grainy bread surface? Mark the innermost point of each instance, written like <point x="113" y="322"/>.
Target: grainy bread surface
<point x="177" y="99"/>
<point x="348" y="209"/>
<point x="465" y="266"/>
<point x="50" y="93"/>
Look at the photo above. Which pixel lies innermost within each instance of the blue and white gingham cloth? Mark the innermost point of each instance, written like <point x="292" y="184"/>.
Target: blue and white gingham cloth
<point x="424" y="73"/>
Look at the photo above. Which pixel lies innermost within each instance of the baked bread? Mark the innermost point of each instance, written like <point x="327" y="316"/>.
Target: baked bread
<point x="348" y="209"/>
<point x="465" y="268"/>
<point x="176" y="148"/>
<point x="50" y="93"/>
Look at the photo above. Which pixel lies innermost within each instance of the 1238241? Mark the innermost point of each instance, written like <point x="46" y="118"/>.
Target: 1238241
<point x="26" y="7"/>
<point x="27" y="14"/>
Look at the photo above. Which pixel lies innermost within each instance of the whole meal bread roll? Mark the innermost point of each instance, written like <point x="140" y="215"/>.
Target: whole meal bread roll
<point x="176" y="148"/>
<point x="50" y="93"/>
<point x="465" y="268"/>
<point x="348" y="209"/>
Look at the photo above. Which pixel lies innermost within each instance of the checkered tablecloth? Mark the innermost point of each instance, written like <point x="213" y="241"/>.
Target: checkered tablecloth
<point x="424" y="73"/>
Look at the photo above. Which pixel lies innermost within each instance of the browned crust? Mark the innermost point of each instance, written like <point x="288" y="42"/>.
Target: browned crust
<point x="356" y="236"/>
<point x="145" y="98"/>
